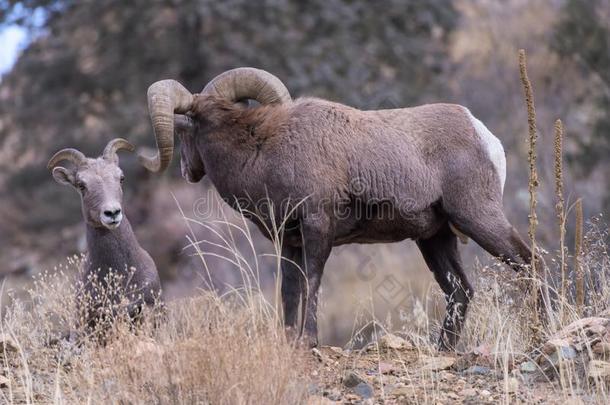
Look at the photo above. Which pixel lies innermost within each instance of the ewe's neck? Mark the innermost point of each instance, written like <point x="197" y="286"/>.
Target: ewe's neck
<point x="111" y="248"/>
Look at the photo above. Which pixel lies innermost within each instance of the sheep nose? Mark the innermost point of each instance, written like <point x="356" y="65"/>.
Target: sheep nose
<point x="112" y="214"/>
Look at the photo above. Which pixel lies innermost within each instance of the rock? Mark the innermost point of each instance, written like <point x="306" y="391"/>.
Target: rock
<point x="468" y="392"/>
<point x="334" y="394"/>
<point x="477" y="370"/>
<point x="482" y="350"/>
<point x="598" y="369"/>
<point x="337" y="350"/>
<point x="318" y="400"/>
<point x="558" y="358"/>
<point x="528" y="367"/>
<point x="313" y="389"/>
<point x="453" y="395"/>
<point x="401" y="392"/>
<point x="583" y="333"/>
<point x="387" y="368"/>
<point x="552" y="345"/>
<point x="437" y="363"/>
<point x="391" y="341"/>
<point x="352" y="379"/>
<point x="602" y="349"/>
<point x="363" y="390"/>
<point x="317" y="354"/>
<point x="511" y="385"/>
<point x="485" y="393"/>
<point x="4" y="382"/>
<point x="7" y="344"/>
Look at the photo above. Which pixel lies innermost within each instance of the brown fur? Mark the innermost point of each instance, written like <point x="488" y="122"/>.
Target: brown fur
<point x="416" y="169"/>
<point x="110" y="246"/>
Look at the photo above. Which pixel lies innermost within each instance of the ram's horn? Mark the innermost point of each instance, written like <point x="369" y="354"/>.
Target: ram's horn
<point x="248" y="83"/>
<point x="165" y="98"/>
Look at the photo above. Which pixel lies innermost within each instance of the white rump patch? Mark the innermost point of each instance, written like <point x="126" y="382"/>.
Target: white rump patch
<point x="493" y="146"/>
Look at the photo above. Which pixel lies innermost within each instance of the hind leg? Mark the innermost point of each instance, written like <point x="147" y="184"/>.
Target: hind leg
<point x="292" y="286"/>
<point x="442" y="257"/>
<point x="492" y="231"/>
<point x="489" y="228"/>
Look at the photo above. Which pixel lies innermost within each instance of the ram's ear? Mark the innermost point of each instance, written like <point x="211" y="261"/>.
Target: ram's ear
<point x="183" y="125"/>
<point x="63" y="176"/>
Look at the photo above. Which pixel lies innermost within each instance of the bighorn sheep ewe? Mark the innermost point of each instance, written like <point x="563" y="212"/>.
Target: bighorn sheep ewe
<point x="423" y="173"/>
<point x="115" y="259"/>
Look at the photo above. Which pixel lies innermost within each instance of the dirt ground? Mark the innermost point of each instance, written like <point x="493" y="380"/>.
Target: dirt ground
<point x="406" y="375"/>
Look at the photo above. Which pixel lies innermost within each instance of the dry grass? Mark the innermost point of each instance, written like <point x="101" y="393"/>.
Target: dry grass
<point x="231" y="348"/>
<point x="209" y="349"/>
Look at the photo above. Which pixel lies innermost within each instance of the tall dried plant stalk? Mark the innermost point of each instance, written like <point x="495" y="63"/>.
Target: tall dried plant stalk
<point x="532" y="186"/>
<point x="580" y="279"/>
<point x="531" y="155"/>
<point x="560" y="208"/>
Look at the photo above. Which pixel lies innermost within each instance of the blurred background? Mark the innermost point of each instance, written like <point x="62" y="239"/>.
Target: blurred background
<point x="75" y="74"/>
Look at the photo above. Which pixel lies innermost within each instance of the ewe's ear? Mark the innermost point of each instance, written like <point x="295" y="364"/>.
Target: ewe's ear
<point x="63" y="176"/>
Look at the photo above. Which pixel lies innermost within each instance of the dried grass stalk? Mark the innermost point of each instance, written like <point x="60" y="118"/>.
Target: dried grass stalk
<point x="531" y="156"/>
<point x="560" y="208"/>
<point x="536" y="297"/>
<point x="580" y="280"/>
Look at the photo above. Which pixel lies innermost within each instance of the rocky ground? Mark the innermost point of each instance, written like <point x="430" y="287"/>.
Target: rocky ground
<point x="571" y="368"/>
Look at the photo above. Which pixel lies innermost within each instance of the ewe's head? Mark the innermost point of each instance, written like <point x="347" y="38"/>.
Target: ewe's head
<point x="171" y="111"/>
<point x="97" y="180"/>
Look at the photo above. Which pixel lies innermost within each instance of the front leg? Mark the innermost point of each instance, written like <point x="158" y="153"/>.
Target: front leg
<point x="317" y="235"/>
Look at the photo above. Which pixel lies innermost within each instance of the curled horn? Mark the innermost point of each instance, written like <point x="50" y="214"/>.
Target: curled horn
<point x="72" y="155"/>
<point x="248" y="83"/>
<point x="165" y="98"/>
<point x="116" y="145"/>
<point x="168" y="97"/>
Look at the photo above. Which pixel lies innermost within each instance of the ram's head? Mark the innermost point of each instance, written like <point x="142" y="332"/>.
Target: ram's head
<point x="172" y="111"/>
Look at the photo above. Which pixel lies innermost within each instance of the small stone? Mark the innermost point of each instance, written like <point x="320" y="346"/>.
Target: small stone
<point x="7" y="344"/>
<point x="313" y="388"/>
<point x="566" y="353"/>
<point x="477" y="370"/>
<point x="528" y="367"/>
<point x="337" y="350"/>
<point x="598" y="369"/>
<point x="391" y="341"/>
<point x="387" y="368"/>
<point x="318" y="400"/>
<point x="364" y="390"/>
<point x="447" y="376"/>
<point x="552" y="345"/>
<point x="317" y="354"/>
<point x="334" y="394"/>
<point x="511" y="384"/>
<point x="468" y="392"/>
<point x="401" y="392"/>
<point x="437" y="363"/>
<point x="4" y="382"/>
<point x="601" y="349"/>
<point x="485" y="393"/>
<point x="352" y="379"/>
<point x="452" y="395"/>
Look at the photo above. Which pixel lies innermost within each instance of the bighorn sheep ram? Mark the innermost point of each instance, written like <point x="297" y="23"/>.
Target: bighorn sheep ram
<point x="115" y="260"/>
<point x="424" y="173"/>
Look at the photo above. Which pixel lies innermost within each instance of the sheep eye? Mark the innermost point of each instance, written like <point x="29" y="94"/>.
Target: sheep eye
<point x="122" y="179"/>
<point x="82" y="187"/>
